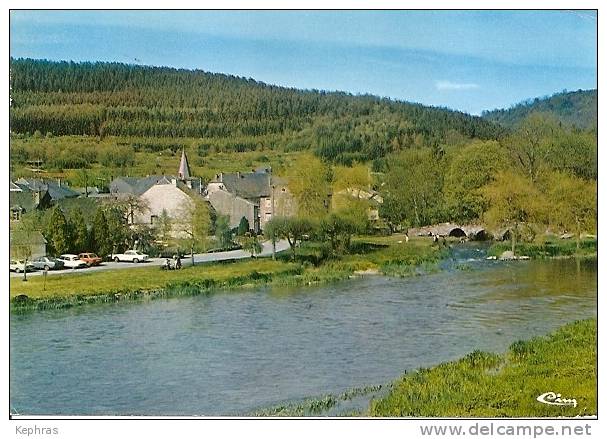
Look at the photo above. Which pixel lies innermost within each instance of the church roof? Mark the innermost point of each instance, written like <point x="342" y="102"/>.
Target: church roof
<point x="184" y="167"/>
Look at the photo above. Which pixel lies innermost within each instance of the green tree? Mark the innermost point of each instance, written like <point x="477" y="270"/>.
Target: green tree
<point x="193" y="225"/>
<point x="164" y="226"/>
<point x="250" y="243"/>
<point x="293" y="229"/>
<point x="273" y="231"/>
<point x="100" y="235"/>
<point x="119" y="231"/>
<point x="533" y="142"/>
<point x="243" y="226"/>
<point x="338" y="230"/>
<point x="58" y="232"/>
<point x="309" y="182"/>
<point x="413" y="189"/>
<point x="514" y="201"/>
<point x="223" y="233"/>
<point x="79" y="231"/>
<point x="573" y="204"/>
<point x="575" y="152"/>
<point x="471" y="168"/>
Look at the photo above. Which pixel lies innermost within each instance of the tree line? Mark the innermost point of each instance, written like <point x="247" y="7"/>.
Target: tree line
<point x="113" y="99"/>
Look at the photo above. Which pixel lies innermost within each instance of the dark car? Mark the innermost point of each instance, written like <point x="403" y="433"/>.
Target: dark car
<point x="47" y="263"/>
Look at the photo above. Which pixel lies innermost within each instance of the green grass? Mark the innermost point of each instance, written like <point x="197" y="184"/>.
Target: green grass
<point x="491" y="385"/>
<point x="312" y="266"/>
<point x="318" y="405"/>
<point x="149" y="282"/>
<point x="548" y="249"/>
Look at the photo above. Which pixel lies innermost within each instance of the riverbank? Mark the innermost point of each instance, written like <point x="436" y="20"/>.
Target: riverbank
<point x="551" y="248"/>
<point x="490" y="385"/>
<point x="386" y="255"/>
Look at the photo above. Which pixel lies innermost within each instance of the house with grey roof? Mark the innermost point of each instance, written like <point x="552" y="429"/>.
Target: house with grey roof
<point x="160" y="194"/>
<point x="256" y="196"/>
<point x="57" y="190"/>
<point x="21" y="202"/>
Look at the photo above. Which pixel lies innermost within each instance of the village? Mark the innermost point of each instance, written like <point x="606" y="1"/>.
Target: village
<point x="249" y="200"/>
<point x="161" y="213"/>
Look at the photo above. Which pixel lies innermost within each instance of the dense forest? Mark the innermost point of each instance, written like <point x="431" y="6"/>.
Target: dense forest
<point x="112" y="99"/>
<point x="576" y="108"/>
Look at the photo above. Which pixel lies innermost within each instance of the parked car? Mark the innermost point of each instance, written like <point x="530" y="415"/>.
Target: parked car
<point x="130" y="256"/>
<point x="72" y="261"/>
<point x="90" y="259"/>
<point x="47" y="263"/>
<point x="19" y="266"/>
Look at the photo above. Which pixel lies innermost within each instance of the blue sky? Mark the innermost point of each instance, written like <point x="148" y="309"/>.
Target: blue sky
<point x="465" y="60"/>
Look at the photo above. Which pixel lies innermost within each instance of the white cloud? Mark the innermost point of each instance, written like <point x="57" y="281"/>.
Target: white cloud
<point x="448" y="85"/>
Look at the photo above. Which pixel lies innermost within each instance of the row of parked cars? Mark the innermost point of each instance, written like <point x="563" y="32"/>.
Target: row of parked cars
<point x="81" y="260"/>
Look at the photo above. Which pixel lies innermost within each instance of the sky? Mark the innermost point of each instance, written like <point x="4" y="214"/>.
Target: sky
<point x="465" y="60"/>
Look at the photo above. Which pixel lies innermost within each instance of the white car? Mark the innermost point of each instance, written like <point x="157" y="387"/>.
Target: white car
<point x="72" y="261"/>
<point x="130" y="256"/>
<point x="19" y="266"/>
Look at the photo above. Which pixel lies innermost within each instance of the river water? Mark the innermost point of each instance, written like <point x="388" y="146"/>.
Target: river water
<point x="232" y="353"/>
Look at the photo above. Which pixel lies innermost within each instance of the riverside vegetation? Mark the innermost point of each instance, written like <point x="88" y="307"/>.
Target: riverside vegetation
<point x="312" y="264"/>
<point x="507" y="385"/>
<point x="482" y="384"/>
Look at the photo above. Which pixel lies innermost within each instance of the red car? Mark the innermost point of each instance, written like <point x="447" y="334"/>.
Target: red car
<point x="90" y="259"/>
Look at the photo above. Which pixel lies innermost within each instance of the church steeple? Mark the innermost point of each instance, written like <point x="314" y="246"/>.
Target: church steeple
<point x="184" y="167"/>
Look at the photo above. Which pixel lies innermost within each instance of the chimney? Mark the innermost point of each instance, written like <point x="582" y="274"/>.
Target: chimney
<point x="188" y="183"/>
<point x="174" y="181"/>
<point x="36" y="195"/>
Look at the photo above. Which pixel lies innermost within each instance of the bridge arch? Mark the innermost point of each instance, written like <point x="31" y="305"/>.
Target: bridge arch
<point x="457" y="232"/>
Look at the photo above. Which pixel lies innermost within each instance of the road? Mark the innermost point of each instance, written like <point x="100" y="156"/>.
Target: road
<point x="186" y="260"/>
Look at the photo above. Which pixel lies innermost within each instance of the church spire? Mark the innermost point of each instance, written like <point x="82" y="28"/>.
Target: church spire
<point x="184" y="167"/>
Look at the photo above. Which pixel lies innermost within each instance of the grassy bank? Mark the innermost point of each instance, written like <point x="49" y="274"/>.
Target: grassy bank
<point x="548" y="249"/>
<point x="490" y="385"/>
<point x="312" y="266"/>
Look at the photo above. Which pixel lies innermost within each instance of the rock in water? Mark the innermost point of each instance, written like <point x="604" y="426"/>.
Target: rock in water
<point x="508" y="255"/>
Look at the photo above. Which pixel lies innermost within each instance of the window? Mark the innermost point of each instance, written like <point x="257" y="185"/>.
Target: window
<point x="153" y="219"/>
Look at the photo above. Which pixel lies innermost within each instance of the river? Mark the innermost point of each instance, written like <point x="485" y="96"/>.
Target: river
<point x="232" y="353"/>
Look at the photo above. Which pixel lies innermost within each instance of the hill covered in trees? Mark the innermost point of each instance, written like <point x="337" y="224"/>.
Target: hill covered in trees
<point x="227" y="113"/>
<point x="576" y="108"/>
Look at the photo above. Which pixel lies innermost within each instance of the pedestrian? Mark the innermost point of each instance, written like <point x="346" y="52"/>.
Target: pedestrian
<point x="178" y="262"/>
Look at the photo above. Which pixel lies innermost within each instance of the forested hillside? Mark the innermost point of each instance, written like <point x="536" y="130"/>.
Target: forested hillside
<point x="576" y="108"/>
<point x="226" y="113"/>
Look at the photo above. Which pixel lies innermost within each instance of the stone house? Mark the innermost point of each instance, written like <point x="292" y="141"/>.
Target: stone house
<point x="171" y="194"/>
<point x="256" y="195"/>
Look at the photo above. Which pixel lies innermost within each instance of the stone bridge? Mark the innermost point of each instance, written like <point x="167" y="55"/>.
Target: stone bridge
<point x="471" y="231"/>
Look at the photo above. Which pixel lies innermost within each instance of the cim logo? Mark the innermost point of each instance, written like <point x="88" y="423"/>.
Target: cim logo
<point x="552" y="398"/>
